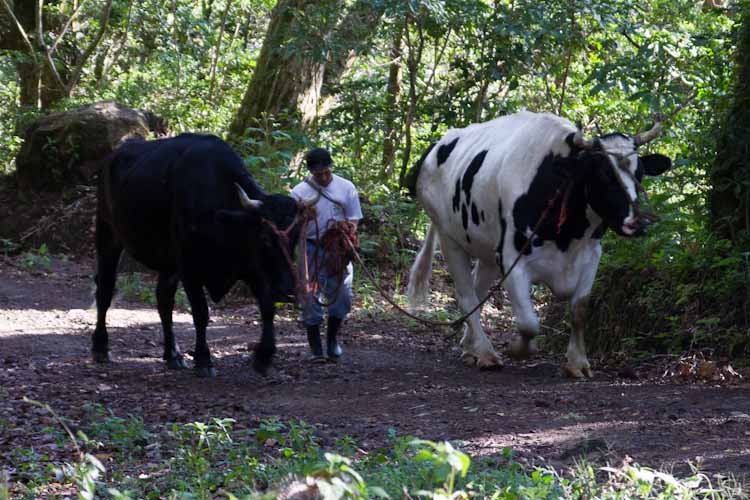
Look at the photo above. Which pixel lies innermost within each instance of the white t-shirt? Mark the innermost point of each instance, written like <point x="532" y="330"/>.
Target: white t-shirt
<point x="341" y="190"/>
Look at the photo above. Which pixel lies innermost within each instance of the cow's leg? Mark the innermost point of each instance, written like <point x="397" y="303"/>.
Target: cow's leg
<point x="519" y="291"/>
<point x="266" y="348"/>
<point x="577" y="365"/>
<point x="475" y="344"/>
<point x="108" y="253"/>
<point x="204" y="367"/>
<point x="166" y="287"/>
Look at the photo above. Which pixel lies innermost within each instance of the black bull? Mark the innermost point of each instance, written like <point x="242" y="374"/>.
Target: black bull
<point x="187" y="207"/>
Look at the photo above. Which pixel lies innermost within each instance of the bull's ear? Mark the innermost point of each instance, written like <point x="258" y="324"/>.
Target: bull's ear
<point x="656" y="164"/>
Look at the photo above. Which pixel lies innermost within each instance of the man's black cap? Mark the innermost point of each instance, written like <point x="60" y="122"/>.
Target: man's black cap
<point x="318" y="158"/>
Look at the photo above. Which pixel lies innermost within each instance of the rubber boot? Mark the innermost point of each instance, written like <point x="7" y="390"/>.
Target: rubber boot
<point x="333" y="349"/>
<point x="316" y="348"/>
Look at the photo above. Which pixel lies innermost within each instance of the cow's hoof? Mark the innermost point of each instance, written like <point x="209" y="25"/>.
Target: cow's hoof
<point x="176" y="363"/>
<point x="489" y="367"/>
<point x="100" y="357"/>
<point x="577" y="372"/>
<point x="469" y="359"/>
<point x="205" y="371"/>
<point x="335" y="352"/>
<point x="521" y="348"/>
<point x="315" y="359"/>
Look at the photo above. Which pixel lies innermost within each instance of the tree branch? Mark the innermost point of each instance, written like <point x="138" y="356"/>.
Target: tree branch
<point x="65" y="28"/>
<point x="25" y="37"/>
<point x="90" y="49"/>
<point x="43" y="46"/>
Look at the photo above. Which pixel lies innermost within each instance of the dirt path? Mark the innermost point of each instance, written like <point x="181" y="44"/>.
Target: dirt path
<point x="391" y="377"/>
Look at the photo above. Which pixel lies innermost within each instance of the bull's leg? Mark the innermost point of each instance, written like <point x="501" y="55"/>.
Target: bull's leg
<point x="266" y="348"/>
<point x="108" y="253"/>
<point x="204" y="367"/>
<point x="166" y="288"/>
<point x="475" y="344"/>
<point x="519" y="291"/>
<point x="577" y="365"/>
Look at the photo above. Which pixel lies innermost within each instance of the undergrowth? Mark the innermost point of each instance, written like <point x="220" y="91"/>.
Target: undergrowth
<point x="118" y="457"/>
<point x="673" y="295"/>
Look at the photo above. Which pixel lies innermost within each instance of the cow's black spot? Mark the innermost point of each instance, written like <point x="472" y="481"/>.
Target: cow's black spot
<point x="413" y="176"/>
<point x="457" y="195"/>
<point x="468" y="240"/>
<point x="464" y="216"/>
<point x="482" y="215"/>
<point x="444" y="151"/>
<point x="599" y="231"/>
<point x="550" y="183"/>
<point x="503" y="230"/>
<point x="471" y="171"/>
<point x="474" y="214"/>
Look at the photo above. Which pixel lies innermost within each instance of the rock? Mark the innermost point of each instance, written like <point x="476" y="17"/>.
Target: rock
<point x="585" y="447"/>
<point x="62" y="149"/>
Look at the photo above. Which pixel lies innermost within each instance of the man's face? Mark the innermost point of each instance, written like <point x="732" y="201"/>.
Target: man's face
<point x="322" y="176"/>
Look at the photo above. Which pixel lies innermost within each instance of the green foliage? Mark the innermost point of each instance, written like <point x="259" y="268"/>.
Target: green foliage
<point x="142" y="288"/>
<point x="210" y="460"/>
<point x="38" y="259"/>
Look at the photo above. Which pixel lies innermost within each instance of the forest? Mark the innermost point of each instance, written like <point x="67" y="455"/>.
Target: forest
<point x="376" y="83"/>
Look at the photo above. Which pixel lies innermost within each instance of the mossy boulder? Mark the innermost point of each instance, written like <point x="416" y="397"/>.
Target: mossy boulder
<point x="65" y="149"/>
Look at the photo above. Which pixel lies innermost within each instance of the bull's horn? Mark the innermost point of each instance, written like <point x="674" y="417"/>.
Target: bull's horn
<point x="309" y="202"/>
<point x="582" y="142"/>
<point x="650" y="135"/>
<point x="245" y="199"/>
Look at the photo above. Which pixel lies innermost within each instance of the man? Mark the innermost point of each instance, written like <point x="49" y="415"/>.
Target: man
<point x="338" y="211"/>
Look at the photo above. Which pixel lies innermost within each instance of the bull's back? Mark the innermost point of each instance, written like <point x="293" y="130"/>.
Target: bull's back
<point x="140" y="185"/>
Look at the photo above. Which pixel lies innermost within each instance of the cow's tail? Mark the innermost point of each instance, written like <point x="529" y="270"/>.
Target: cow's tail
<point x="421" y="270"/>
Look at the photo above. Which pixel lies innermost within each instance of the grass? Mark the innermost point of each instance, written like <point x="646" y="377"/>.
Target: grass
<point x="118" y="457"/>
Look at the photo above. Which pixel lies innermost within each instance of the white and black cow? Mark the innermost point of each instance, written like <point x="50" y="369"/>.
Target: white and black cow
<point x="486" y="186"/>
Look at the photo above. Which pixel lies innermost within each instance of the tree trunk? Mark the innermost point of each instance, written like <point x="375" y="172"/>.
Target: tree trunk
<point x="393" y="93"/>
<point x="414" y="60"/>
<point x="306" y="45"/>
<point x="730" y="176"/>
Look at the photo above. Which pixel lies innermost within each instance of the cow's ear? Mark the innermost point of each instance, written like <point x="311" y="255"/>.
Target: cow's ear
<point x="575" y="168"/>
<point x="656" y="164"/>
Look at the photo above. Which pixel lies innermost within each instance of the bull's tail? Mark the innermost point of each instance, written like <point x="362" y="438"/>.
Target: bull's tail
<point x="421" y="270"/>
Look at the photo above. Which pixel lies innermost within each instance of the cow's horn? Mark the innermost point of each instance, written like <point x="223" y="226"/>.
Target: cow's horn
<point x="650" y="135"/>
<point x="245" y="199"/>
<point x="582" y="142"/>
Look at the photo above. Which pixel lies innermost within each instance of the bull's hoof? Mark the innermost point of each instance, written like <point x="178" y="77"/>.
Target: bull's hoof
<point x="261" y="366"/>
<point x="577" y="372"/>
<point x="521" y="348"/>
<point x="177" y="363"/>
<point x="205" y="371"/>
<point x="100" y="357"/>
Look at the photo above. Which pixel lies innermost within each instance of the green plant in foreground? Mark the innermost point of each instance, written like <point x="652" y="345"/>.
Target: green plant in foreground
<point x="213" y="460"/>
